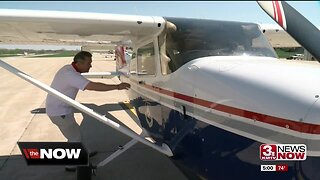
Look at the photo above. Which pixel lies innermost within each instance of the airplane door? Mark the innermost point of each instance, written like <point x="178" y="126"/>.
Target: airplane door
<point x="178" y="89"/>
<point x="149" y="108"/>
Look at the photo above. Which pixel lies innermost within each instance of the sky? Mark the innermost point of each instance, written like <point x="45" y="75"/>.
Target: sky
<point x="246" y="11"/>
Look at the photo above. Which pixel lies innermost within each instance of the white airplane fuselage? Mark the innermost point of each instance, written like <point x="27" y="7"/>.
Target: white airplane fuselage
<point x="215" y="111"/>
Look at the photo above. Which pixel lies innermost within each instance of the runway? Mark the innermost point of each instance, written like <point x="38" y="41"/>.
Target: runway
<point x="23" y="118"/>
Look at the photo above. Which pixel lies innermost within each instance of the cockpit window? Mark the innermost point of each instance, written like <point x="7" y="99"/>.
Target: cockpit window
<point x="191" y="39"/>
<point x="145" y="60"/>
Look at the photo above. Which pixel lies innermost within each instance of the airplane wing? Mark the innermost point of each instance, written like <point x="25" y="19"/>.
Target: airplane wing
<point x="75" y="28"/>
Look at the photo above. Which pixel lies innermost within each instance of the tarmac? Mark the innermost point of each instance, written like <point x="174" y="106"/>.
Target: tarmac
<point x="23" y="118"/>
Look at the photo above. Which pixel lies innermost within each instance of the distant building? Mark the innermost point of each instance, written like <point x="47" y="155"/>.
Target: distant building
<point x="279" y="38"/>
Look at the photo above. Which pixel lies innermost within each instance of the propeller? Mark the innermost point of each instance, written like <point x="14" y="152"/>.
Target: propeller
<point x="295" y="24"/>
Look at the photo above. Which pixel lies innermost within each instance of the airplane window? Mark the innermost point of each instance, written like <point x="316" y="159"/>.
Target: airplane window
<point x="145" y="60"/>
<point x="194" y="39"/>
<point x="133" y="64"/>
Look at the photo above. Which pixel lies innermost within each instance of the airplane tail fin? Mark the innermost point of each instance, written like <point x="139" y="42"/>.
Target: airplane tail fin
<point x="302" y="30"/>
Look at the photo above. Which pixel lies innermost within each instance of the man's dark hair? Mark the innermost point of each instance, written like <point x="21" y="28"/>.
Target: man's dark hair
<point x="80" y="56"/>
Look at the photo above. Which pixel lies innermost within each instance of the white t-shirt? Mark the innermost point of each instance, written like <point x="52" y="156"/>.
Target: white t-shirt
<point x="67" y="81"/>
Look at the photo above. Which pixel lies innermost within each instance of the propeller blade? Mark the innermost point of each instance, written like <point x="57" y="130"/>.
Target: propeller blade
<point x="302" y="30"/>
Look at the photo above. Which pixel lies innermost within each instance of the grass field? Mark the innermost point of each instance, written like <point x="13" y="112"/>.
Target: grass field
<point x="62" y="54"/>
<point x="36" y="53"/>
<point x="8" y="55"/>
<point x="284" y="54"/>
<point x="288" y="52"/>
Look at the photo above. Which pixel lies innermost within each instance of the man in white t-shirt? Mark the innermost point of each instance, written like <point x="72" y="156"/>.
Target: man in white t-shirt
<point x="68" y="80"/>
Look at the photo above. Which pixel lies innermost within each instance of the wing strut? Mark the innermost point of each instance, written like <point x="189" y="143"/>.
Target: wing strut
<point x="101" y="75"/>
<point x="117" y="153"/>
<point x="163" y="149"/>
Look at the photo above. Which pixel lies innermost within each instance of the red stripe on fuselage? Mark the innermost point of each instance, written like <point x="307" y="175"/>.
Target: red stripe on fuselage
<point x="284" y="123"/>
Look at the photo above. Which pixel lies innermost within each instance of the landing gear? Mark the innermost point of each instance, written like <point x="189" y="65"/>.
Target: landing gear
<point x="86" y="172"/>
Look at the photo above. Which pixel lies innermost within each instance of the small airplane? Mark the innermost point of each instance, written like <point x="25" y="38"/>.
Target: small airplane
<point x="208" y="92"/>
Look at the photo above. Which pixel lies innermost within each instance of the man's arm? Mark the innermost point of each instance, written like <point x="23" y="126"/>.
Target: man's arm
<point x="96" y="86"/>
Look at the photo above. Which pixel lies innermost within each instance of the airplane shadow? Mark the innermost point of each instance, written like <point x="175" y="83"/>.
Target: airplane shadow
<point x="38" y="111"/>
<point x="136" y="163"/>
<point x="108" y="107"/>
<point x="139" y="162"/>
<point x="14" y="167"/>
<point x="91" y="128"/>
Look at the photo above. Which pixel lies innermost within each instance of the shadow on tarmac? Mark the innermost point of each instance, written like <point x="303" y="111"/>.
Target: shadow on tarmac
<point x="139" y="162"/>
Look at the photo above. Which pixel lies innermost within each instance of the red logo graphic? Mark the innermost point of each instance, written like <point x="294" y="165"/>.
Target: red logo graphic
<point x="283" y="152"/>
<point x="268" y="152"/>
<point x="282" y="167"/>
<point x="31" y="153"/>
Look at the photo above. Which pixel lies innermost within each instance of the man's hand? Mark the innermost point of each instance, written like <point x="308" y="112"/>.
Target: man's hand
<point x="123" y="86"/>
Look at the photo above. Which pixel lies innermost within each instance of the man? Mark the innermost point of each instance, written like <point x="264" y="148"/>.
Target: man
<point x="68" y="80"/>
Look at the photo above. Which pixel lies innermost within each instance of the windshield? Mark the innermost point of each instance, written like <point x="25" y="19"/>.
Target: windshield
<point x="192" y="38"/>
